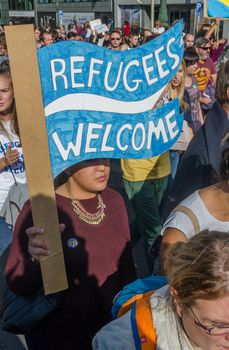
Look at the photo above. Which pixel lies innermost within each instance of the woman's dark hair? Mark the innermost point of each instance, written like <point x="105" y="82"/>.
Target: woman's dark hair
<point x="222" y="84"/>
<point x="224" y="167"/>
<point x="3" y="41"/>
<point x="213" y="37"/>
<point x="61" y="179"/>
<point x="201" y="33"/>
<point x="190" y="56"/>
<point x="37" y="28"/>
<point x="151" y="37"/>
<point x="71" y="35"/>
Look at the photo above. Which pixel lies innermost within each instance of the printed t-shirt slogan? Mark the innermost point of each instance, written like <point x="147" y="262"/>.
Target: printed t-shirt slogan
<point x="98" y="102"/>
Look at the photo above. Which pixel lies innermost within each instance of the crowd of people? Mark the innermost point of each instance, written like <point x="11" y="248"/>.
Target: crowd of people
<point x="176" y="198"/>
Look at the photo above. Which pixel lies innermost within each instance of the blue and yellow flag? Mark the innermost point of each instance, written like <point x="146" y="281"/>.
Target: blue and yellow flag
<point x="218" y="8"/>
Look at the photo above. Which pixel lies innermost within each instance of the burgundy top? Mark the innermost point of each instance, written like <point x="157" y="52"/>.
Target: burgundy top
<point x="216" y="53"/>
<point x="98" y="264"/>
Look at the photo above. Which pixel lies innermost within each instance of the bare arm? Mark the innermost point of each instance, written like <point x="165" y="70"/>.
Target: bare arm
<point x="212" y="29"/>
<point x="170" y="236"/>
<point x="2" y="163"/>
<point x="214" y="78"/>
<point x="190" y="132"/>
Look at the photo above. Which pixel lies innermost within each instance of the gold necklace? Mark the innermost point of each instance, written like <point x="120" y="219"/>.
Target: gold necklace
<point x="89" y="218"/>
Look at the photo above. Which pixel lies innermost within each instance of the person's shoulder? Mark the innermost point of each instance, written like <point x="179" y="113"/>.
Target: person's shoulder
<point x="179" y="219"/>
<point x="214" y="127"/>
<point x="125" y="47"/>
<point x="115" y="335"/>
<point x="191" y="200"/>
<point x="60" y="198"/>
<point x="209" y="60"/>
<point x="176" y="218"/>
<point x="63" y="204"/>
<point x="26" y="207"/>
<point x="113" y="195"/>
<point x="210" y="63"/>
<point x="216" y="117"/>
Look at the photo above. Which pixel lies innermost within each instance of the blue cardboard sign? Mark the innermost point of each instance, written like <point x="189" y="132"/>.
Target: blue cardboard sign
<point x="96" y="99"/>
<point x="111" y="135"/>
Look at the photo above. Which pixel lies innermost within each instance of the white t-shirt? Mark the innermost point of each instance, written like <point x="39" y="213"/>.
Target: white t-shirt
<point x="159" y="30"/>
<point x="182" y="222"/>
<point x="8" y="175"/>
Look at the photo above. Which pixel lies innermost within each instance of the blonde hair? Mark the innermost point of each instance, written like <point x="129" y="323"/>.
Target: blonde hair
<point x="5" y="72"/>
<point x="199" y="268"/>
<point x="157" y="22"/>
<point x="181" y="87"/>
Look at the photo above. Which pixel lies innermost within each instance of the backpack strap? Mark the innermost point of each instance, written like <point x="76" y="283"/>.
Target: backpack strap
<point x="142" y="325"/>
<point x="128" y="304"/>
<point x="191" y="215"/>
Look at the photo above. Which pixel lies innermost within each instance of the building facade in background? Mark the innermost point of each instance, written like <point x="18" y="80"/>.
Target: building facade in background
<point x="137" y="12"/>
<point x="4" y="12"/>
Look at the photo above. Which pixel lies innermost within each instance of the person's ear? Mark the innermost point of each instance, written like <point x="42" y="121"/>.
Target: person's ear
<point x="176" y="302"/>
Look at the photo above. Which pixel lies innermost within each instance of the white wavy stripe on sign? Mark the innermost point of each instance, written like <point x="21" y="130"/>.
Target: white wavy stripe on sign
<point x="91" y="102"/>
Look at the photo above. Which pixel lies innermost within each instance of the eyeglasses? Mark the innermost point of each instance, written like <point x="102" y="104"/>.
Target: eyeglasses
<point x="205" y="48"/>
<point x="112" y="39"/>
<point x="221" y="330"/>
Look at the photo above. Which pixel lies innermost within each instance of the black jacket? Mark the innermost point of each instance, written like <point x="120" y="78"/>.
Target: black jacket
<point x="201" y="162"/>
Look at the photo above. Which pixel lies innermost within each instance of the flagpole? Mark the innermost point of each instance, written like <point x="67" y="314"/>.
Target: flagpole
<point x="152" y="15"/>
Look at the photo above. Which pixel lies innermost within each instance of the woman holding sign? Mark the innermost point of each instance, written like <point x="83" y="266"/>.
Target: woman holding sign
<point x="12" y="168"/>
<point x="95" y="239"/>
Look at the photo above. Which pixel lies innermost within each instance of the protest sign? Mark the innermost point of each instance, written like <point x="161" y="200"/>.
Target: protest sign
<point x="217" y="9"/>
<point x="97" y="103"/>
<point x="95" y="24"/>
<point x="102" y="29"/>
<point x="104" y="135"/>
<point x="76" y="18"/>
<point x="97" y="100"/>
<point x="30" y="111"/>
<point x="98" y="26"/>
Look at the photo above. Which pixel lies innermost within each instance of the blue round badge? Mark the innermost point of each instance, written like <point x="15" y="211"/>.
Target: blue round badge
<point x="72" y="243"/>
